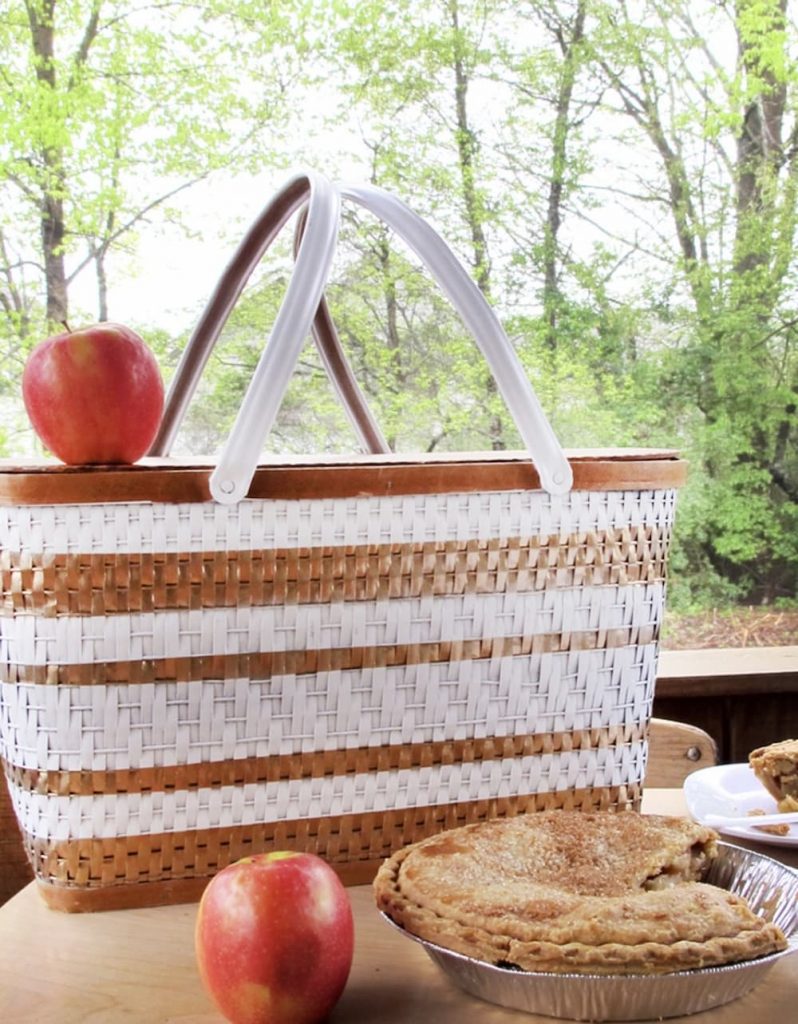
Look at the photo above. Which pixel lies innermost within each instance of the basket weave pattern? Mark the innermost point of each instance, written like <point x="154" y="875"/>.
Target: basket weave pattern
<point x="184" y="684"/>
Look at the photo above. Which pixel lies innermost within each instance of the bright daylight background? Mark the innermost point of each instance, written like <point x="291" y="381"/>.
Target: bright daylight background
<point x="620" y="179"/>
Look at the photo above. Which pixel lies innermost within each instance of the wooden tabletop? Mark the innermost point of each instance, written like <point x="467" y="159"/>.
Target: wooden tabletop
<point x="138" y="966"/>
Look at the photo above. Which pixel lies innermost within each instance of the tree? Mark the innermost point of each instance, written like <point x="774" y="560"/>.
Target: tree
<point x="424" y="69"/>
<point x="725" y="136"/>
<point x="620" y="179"/>
<point x="109" y="110"/>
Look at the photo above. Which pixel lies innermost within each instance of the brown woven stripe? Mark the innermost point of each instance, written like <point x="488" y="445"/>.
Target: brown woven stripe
<point x="350" y="839"/>
<point x="315" y="764"/>
<point x="265" y="665"/>
<point x="105" y="584"/>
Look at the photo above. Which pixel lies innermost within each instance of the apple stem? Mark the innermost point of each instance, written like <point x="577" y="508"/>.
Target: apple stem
<point x="66" y="325"/>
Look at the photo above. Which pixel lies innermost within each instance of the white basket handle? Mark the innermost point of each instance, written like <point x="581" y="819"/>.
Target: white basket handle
<point x="230" y="480"/>
<point x="291" y="197"/>
<point x="539" y="438"/>
<point x="303" y="302"/>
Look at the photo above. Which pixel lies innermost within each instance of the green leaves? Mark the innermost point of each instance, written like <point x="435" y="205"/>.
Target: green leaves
<point x="108" y="107"/>
<point x="620" y="180"/>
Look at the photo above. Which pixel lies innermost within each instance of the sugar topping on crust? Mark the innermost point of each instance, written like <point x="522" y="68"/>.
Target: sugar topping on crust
<point x="569" y="891"/>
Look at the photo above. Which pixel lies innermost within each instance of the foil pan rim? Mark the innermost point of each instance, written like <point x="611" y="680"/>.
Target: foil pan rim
<point x="585" y="976"/>
<point x="637" y="997"/>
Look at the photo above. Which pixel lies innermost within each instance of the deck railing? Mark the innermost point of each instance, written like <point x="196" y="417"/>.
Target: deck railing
<point x="743" y="697"/>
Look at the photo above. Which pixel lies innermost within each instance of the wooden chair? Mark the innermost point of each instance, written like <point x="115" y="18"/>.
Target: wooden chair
<point x="675" y="750"/>
<point x="15" y="871"/>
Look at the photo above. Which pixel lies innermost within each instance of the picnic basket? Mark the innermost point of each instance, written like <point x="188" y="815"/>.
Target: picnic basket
<point x="204" y="659"/>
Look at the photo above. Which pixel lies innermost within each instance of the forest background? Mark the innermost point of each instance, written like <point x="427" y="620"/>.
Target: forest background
<point x="620" y="178"/>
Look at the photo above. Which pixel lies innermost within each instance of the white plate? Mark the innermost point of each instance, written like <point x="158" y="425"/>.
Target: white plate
<point x="733" y="790"/>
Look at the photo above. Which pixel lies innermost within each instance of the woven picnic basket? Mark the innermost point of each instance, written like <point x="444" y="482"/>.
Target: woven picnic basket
<point x="202" y="660"/>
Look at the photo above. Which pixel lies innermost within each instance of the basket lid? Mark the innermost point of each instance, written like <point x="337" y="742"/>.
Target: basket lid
<point x="335" y="476"/>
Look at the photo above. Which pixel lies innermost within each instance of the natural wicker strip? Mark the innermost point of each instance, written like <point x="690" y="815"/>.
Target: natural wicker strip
<point x="342" y="840"/>
<point x="107" y="584"/>
<point x="266" y="664"/>
<point x="316" y="764"/>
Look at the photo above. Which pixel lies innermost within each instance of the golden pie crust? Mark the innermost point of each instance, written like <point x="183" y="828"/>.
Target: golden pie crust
<point x="776" y="767"/>
<point x="574" y="892"/>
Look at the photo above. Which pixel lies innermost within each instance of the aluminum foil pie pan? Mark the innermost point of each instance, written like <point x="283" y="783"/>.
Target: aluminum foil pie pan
<point x="771" y="890"/>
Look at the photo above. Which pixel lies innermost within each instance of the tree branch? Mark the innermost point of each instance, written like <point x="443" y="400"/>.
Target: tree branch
<point x="89" y="35"/>
<point x="135" y="219"/>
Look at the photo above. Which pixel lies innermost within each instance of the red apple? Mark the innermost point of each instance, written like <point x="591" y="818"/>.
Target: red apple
<point x="274" y="939"/>
<point x="94" y="395"/>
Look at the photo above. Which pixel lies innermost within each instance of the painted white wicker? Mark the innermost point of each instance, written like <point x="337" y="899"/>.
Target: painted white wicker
<point x="187" y="681"/>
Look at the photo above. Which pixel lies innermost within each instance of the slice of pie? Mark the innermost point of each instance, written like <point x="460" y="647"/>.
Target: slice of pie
<point x="776" y="767"/>
<point x="574" y="892"/>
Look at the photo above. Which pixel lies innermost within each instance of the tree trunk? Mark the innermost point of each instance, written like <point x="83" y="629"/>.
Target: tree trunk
<point x="467" y="151"/>
<point x="51" y="205"/>
<point x="760" y="155"/>
<point x="467" y="148"/>
<point x="551" y="289"/>
<point x="759" y="148"/>
<point x="52" y="227"/>
<point x="393" y="338"/>
<point x="102" y="284"/>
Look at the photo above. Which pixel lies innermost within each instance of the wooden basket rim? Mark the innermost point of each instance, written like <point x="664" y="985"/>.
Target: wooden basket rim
<point x="185" y="479"/>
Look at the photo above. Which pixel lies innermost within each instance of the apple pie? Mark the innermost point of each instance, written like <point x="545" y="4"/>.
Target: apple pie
<point x="574" y="892"/>
<point x="776" y="767"/>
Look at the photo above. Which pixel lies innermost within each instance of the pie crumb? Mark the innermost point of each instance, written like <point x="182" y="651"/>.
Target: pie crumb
<point x="773" y="830"/>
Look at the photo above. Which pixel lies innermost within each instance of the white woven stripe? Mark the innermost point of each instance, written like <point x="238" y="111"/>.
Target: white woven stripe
<point x="30" y="640"/>
<point x="103" y="728"/>
<point x="255" y="525"/>
<point x="101" y="817"/>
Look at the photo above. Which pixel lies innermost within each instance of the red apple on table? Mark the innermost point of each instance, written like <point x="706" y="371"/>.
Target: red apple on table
<point x="274" y="939"/>
<point x="94" y="395"/>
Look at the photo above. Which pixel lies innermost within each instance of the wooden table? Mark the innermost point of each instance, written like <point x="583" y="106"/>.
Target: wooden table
<point x="138" y="966"/>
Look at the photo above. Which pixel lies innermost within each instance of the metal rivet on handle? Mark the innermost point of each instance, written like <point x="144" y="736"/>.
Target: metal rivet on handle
<point x="227" y="486"/>
<point x="693" y="754"/>
<point x="558" y="477"/>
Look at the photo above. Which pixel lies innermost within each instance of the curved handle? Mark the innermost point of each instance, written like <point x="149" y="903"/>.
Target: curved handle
<point x="553" y="468"/>
<point x="304" y="305"/>
<point x="249" y="253"/>
<point x="230" y="480"/>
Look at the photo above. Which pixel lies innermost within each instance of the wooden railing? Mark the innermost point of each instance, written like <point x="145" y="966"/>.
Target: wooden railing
<point x="743" y="697"/>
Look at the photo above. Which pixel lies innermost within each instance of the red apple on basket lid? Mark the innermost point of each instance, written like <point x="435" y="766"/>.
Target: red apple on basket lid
<point x="274" y="939"/>
<point x="94" y="395"/>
